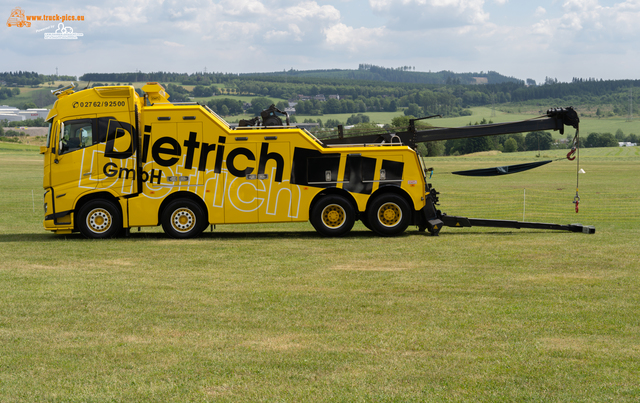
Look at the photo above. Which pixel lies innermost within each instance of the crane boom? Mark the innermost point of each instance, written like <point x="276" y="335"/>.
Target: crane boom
<point x="555" y="119"/>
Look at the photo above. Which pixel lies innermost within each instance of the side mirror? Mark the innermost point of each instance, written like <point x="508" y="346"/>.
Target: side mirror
<point x="43" y="149"/>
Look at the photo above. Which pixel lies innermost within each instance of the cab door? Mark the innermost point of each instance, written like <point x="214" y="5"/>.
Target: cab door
<point x="73" y="162"/>
<point x="115" y="156"/>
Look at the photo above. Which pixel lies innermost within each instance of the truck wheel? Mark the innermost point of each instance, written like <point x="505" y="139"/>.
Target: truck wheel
<point x="99" y="219"/>
<point x="389" y="214"/>
<point x="183" y="218"/>
<point x="332" y="215"/>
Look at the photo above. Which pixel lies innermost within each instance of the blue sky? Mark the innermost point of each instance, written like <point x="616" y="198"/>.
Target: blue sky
<point x="560" y="39"/>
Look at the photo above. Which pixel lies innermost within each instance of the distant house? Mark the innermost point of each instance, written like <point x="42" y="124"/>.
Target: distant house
<point x="627" y="144"/>
<point x="320" y="97"/>
<point x="304" y="97"/>
<point x="336" y="96"/>
<point x="290" y="111"/>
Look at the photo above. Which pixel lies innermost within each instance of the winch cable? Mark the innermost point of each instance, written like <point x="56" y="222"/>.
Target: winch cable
<point x="575" y="149"/>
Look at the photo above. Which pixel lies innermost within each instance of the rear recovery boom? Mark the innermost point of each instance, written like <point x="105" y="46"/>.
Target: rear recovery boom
<point x="454" y="221"/>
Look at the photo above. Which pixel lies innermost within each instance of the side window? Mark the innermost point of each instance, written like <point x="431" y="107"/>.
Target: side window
<point x="77" y="134"/>
<point x="118" y="137"/>
<point x="108" y="129"/>
<point x="103" y="128"/>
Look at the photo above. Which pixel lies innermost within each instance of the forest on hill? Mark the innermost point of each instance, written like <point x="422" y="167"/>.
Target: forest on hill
<point x="367" y="89"/>
<point x="372" y="88"/>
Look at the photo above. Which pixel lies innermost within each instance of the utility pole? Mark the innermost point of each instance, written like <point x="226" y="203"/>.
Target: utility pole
<point x="630" y="117"/>
<point x="493" y="105"/>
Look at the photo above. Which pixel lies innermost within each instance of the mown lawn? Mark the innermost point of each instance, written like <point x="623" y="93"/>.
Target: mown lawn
<point x="276" y="313"/>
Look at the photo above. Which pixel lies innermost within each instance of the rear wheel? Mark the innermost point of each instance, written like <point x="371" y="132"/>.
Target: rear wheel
<point x="99" y="219"/>
<point x="183" y="218"/>
<point x="332" y="215"/>
<point x="389" y="214"/>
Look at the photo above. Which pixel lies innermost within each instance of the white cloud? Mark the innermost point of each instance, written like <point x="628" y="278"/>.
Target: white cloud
<point x="413" y="14"/>
<point x="246" y="8"/>
<point x="353" y="39"/>
<point x="311" y="10"/>
<point x="523" y="39"/>
<point x="173" y="44"/>
<point x="540" y="11"/>
<point x="586" y="25"/>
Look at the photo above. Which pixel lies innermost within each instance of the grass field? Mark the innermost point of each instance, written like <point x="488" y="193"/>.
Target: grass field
<point x="276" y="313"/>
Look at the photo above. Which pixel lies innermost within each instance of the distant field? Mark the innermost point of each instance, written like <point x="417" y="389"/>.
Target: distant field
<point x="502" y="113"/>
<point x="276" y="313"/>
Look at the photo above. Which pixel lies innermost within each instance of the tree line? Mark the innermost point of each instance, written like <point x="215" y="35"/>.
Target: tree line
<point x="452" y="92"/>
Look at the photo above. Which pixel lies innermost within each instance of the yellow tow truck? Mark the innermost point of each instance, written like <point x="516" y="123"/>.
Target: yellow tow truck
<point x="115" y="160"/>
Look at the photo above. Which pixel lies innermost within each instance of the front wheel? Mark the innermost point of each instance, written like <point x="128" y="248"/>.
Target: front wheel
<point x="332" y="215"/>
<point x="183" y="218"/>
<point x="389" y="214"/>
<point x="99" y="219"/>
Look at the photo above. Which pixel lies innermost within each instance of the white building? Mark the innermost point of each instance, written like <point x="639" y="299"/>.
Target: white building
<point x="13" y="114"/>
<point x="34" y="113"/>
<point x="10" y="113"/>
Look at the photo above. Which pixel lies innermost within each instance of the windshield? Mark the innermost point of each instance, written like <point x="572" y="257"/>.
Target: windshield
<point x="424" y="168"/>
<point x="49" y="134"/>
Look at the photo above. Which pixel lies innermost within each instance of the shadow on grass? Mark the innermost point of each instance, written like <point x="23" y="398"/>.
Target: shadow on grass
<point x="227" y="235"/>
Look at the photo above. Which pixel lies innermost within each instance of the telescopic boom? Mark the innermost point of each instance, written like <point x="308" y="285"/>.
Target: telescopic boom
<point x="555" y="119"/>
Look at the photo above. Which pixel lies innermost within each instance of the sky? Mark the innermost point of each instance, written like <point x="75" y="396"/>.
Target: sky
<point x="561" y="39"/>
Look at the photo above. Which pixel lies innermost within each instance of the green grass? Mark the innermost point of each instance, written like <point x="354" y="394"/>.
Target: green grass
<point x="276" y="313"/>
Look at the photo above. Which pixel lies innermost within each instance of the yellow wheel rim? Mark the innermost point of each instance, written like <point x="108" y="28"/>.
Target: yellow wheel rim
<point x="389" y="214"/>
<point x="333" y="216"/>
<point x="99" y="220"/>
<point x="183" y="220"/>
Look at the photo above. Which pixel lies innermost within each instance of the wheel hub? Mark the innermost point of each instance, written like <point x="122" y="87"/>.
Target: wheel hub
<point x="333" y="216"/>
<point x="389" y="214"/>
<point x="183" y="220"/>
<point x="98" y="220"/>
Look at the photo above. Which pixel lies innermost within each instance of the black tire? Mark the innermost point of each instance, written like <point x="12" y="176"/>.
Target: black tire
<point x="99" y="219"/>
<point x="332" y="215"/>
<point x="389" y="214"/>
<point x="183" y="218"/>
